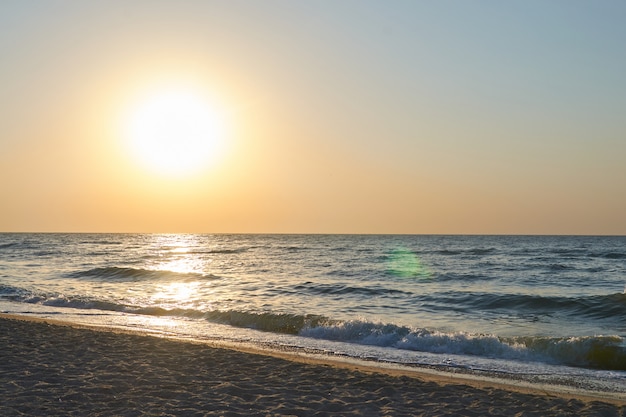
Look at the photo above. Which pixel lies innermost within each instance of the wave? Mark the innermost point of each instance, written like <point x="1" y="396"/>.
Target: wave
<point x="342" y="289"/>
<point x="456" y="252"/>
<point x="559" y="267"/>
<point x="596" y="352"/>
<point x="101" y="242"/>
<point x="177" y="250"/>
<point x="611" y="306"/>
<point x="21" y="243"/>
<point x="568" y="252"/>
<point x="609" y="255"/>
<point x="8" y="245"/>
<point x="138" y="274"/>
<point x="47" y="253"/>
<point x="9" y="292"/>
<point x="222" y="251"/>
<point x="79" y="303"/>
<point x="266" y="321"/>
<point x="293" y="248"/>
<point x="578" y="254"/>
<point x="463" y="277"/>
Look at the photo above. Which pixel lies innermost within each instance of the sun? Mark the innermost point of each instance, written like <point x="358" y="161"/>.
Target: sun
<point x="174" y="131"/>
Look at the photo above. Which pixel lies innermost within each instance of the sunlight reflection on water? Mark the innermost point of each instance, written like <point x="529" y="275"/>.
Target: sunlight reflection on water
<point x="176" y="292"/>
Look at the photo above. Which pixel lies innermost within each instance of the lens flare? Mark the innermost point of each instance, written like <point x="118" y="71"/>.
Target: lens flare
<point x="406" y="264"/>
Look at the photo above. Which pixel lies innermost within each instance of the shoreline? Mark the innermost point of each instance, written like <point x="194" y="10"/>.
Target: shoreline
<point x="429" y="374"/>
<point x="273" y="380"/>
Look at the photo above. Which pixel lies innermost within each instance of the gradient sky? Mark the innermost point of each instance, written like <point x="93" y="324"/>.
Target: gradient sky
<point x="344" y="116"/>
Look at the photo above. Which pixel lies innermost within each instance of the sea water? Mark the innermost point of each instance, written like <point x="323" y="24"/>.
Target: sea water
<point x="544" y="309"/>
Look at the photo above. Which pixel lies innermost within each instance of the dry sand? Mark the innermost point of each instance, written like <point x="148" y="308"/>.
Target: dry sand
<point x="51" y="369"/>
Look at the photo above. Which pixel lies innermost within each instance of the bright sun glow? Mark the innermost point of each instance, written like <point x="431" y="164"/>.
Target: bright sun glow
<point x="175" y="132"/>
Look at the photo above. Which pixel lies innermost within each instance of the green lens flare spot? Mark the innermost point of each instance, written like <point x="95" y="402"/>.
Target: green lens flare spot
<point x="404" y="263"/>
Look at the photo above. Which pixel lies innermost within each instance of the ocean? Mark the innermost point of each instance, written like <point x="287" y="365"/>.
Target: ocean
<point x="536" y="309"/>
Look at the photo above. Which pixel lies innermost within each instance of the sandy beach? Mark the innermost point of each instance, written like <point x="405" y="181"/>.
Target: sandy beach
<point x="53" y="369"/>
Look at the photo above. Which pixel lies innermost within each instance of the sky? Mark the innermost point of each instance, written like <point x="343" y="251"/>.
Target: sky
<point x="411" y="117"/>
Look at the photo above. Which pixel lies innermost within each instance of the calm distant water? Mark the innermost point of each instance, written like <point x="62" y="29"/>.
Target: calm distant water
<point x="502" y="303"/>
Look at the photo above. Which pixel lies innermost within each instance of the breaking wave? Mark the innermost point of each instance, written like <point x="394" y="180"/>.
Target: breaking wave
<point x="597" y="352"/>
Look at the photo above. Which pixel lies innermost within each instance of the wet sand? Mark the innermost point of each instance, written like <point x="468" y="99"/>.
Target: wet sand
<point x="59" y="370"/>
